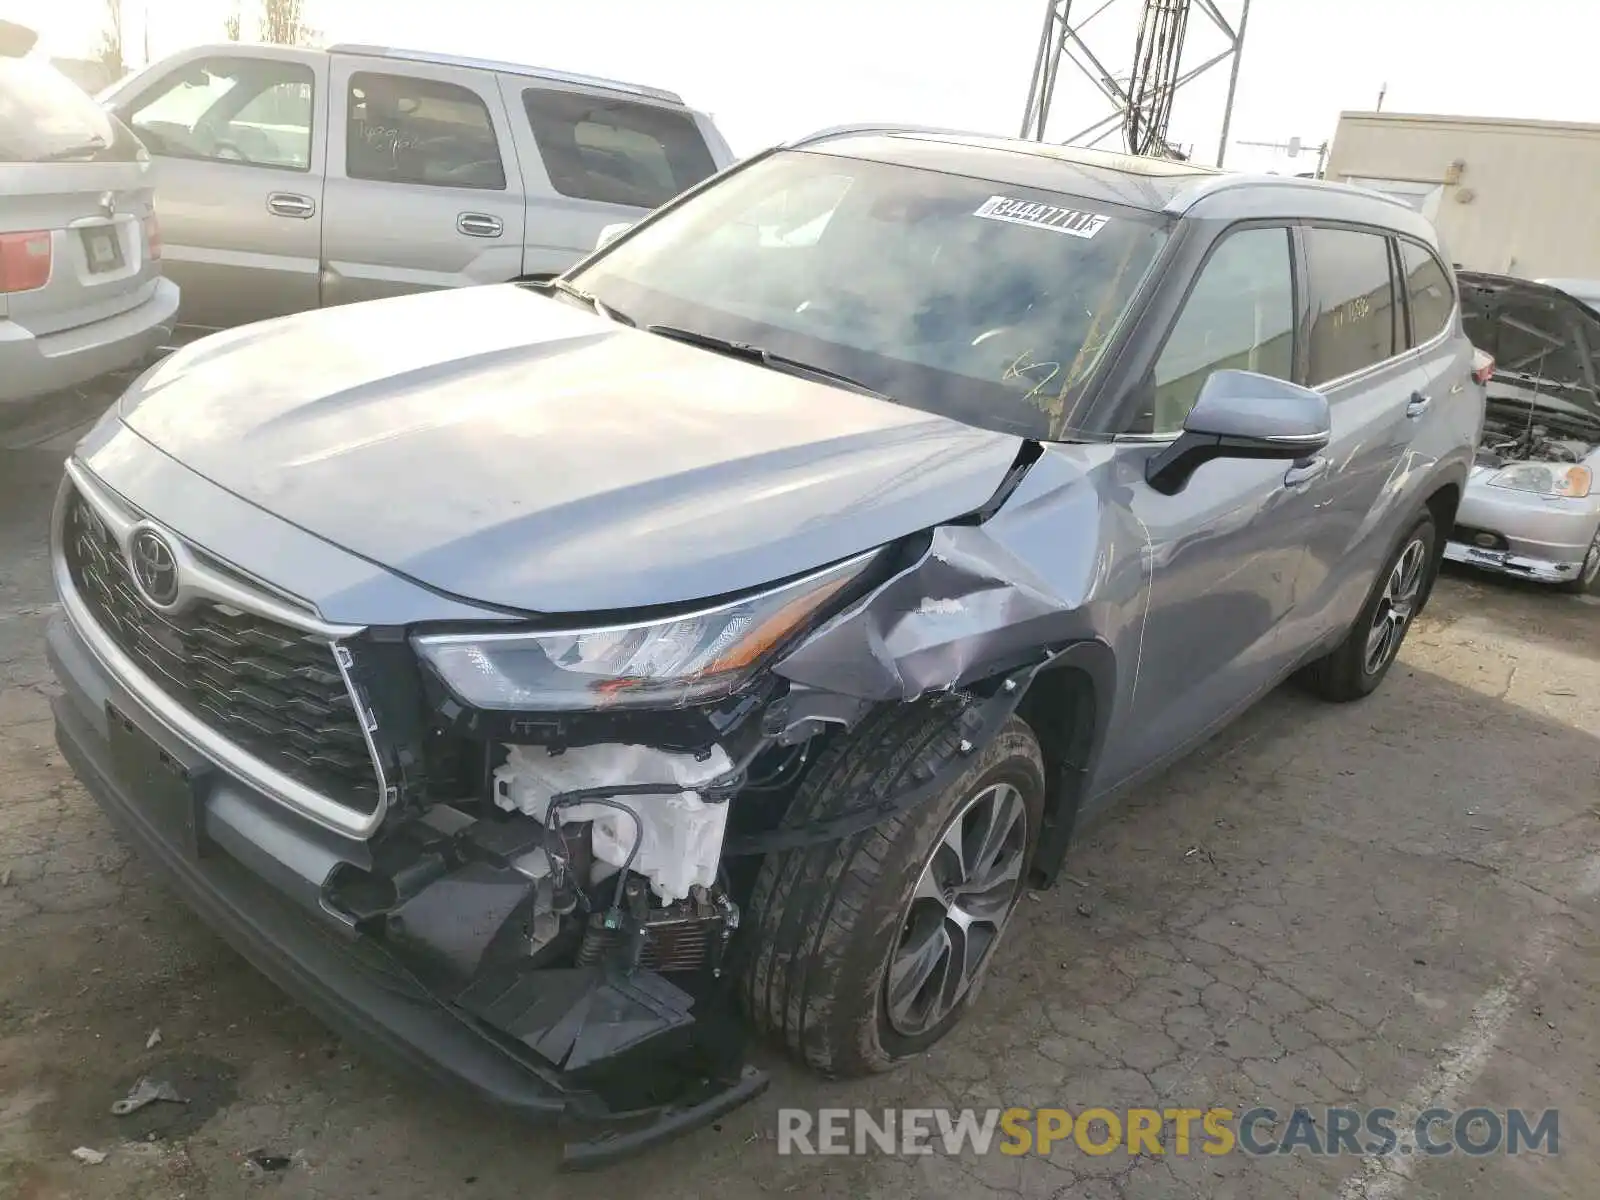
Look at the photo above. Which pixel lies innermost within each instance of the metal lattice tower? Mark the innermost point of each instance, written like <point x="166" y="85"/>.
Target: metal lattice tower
<point x="1141" y="95"/>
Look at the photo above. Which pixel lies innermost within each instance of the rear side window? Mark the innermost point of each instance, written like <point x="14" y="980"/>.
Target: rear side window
<point x="1352" y="302"/>
<point x="1239" y="315"/>
<point x="45" y="117"/>
<point x="404" y="129"/>
<point x="1428" y="289"/>
<point x="616" y="151"/>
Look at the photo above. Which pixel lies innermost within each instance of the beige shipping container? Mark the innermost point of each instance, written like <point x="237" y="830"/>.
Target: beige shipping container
<point x="1508" y="196"/>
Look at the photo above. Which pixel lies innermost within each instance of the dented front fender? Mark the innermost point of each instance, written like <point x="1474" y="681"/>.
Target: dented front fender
<point x="966" y="610"/>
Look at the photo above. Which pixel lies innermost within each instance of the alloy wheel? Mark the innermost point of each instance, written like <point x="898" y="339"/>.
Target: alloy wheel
<point x="1396" y="606"/>
<point x="962" y="901"/>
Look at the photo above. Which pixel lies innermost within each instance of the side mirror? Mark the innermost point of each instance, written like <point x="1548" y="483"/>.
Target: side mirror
<point x="611" y="233"/>
<point x="1242" y="415"/>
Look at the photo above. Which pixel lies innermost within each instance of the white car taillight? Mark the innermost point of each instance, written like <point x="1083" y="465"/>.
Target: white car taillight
<point x="24" y="260"/>
<point x="152" y="236"/>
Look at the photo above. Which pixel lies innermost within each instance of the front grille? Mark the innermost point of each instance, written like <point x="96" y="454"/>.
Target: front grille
<point x="273" y="690"/>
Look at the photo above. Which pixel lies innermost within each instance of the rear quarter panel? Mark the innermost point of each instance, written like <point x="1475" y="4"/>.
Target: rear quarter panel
<point x="558" y="230"/>
<point x="562" y="229"/>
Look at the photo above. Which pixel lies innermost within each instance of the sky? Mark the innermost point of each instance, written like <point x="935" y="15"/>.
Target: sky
<point x="771" y="69"/>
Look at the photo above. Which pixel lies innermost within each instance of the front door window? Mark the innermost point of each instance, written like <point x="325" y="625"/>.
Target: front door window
<point x="252" y="111"/>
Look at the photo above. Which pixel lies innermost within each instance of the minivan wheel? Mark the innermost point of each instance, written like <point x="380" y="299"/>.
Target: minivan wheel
<point x="1358" y="664"/>
<point x="868" y="950"/>
<point x="1588" y="579"/>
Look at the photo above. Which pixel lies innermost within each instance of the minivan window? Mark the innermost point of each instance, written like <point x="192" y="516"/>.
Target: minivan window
<point x="404" y="129"/>
<point x="1429" y="291"/>
<point x="44" y="116"/>
<point x="984" y="301"/>
<point x="1352" y="302"/>
<point x="252" y="111"/>
<point x="616" y="151"/>
<point x="1239" y="315"/>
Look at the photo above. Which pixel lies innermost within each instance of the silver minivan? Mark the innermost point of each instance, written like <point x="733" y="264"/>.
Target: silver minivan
<point x="81" y="290"/>
<point x="293" y="178"/>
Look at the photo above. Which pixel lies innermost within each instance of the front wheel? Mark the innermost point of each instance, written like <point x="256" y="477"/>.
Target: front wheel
<point x="1356" y="666"/>
<point x="869" y="950"/>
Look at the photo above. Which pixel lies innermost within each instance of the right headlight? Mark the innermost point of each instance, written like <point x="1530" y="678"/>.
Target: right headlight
<point x="670" y="663"/>
<point x="1547" y="479"/>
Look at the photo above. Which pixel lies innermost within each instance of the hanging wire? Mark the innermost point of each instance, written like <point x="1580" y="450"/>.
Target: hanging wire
<point x="1157" y="56"/>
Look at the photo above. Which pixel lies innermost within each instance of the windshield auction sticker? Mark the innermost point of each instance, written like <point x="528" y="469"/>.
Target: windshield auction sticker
<point x="1043" y="216"/>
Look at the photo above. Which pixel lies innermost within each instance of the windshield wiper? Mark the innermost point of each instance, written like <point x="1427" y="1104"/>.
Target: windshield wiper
<point x="767" y="358"/>
<point x="564" y="288"/>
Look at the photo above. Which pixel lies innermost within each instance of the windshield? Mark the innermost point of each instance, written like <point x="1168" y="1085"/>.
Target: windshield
<point x="982" y="301"/>
<point x="44" y="116"/>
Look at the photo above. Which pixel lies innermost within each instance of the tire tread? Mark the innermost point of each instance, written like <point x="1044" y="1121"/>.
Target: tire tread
<point x="807" y="902"/>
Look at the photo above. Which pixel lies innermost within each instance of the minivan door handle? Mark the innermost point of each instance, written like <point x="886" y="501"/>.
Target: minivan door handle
<point x="479" y="225"/>
<point x="1305" y="472"/>
<point x="1417" y="405"/>
<point x="291" y="204"/>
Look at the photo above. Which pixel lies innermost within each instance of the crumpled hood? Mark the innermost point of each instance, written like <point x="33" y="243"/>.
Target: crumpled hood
<point x="512" y="449"/>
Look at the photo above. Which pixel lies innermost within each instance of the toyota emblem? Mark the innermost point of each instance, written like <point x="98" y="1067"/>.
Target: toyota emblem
<point x="155" y="568"/>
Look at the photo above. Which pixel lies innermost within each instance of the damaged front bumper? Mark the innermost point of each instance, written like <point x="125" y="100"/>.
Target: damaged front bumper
<point x="1504" y="562"/>
<point x="1542" y="538"/>
<point x="255" y="872"/>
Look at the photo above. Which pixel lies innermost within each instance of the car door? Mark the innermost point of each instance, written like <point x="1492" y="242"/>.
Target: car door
<point x="424" y="189"/>
<point x="1431" y="302"/>
<point x="1377" y="393"/>
<point x="597" y="156"/>
<point x="238" y="181"/>
<point x="1223" y="553"/>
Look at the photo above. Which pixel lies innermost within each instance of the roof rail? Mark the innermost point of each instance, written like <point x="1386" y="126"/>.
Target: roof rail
<point x="489" y="64"/>
<point x="835" y="131"/>
<point x="1210" y="185"/>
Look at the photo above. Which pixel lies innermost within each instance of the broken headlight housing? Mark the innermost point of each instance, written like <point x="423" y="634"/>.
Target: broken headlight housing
<point x="1545" y="479"/>
<point x="690" y="659"/>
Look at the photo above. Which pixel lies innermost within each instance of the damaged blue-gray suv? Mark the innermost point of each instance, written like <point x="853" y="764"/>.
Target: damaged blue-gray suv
<point x="554" y="682"/>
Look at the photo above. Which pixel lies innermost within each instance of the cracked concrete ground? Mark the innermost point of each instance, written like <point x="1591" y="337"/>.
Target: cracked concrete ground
<point x="1388" y="903"/>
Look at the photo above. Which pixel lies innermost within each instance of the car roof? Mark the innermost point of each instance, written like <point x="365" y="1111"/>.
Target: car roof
<point x="508" y="68"/>
<point x="1158" y="185"/>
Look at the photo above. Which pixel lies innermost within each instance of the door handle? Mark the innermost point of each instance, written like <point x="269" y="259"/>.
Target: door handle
<point x="1306" y="471"/>
<point x="479" y="225"/>
<point x="1417" y="405"/>
<point x="291" y="204"/>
